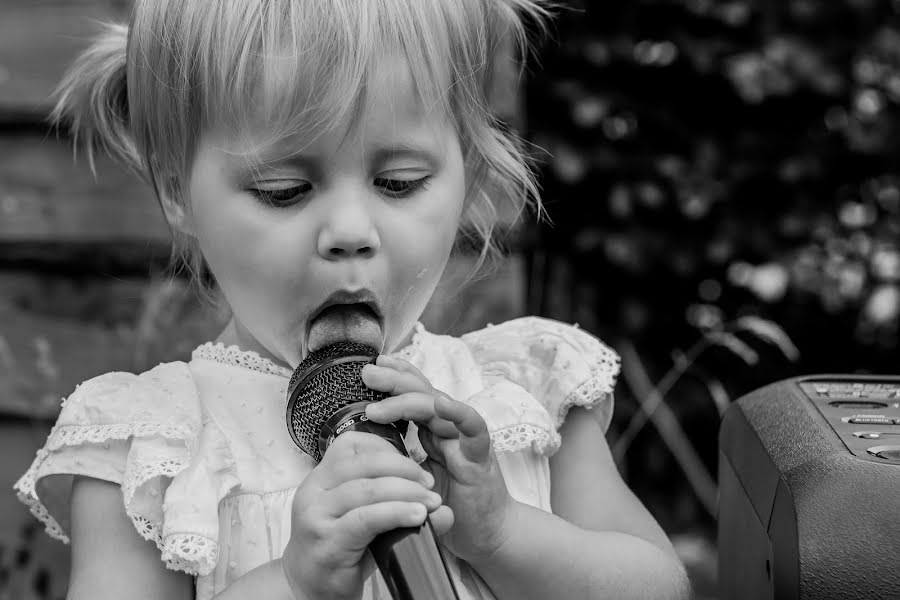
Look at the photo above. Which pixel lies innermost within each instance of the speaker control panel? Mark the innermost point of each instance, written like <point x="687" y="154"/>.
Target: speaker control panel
<point x="864" y="412"/>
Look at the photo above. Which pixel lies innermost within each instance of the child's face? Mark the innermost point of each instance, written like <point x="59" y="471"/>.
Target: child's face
<point x="344" y="214"/>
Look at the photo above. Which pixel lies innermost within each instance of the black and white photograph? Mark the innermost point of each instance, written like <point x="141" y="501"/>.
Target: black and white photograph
<point x="449" y="299"/>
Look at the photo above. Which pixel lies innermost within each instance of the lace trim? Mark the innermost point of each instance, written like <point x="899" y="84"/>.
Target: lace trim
<point x="598" y="386"/>
<point x="187" y="552"/>
<point x="25" y="493"/>
<point x="143" y="470"/>
<point x="523" y="435"/>
<point x="234" y="356"/>
<point x="73" y="435"/>
<point x="248" y="359"/>
<point x="191" y="553"/>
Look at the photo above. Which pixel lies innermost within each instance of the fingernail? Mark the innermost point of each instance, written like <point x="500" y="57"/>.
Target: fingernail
<point x="427" y="479"/>
<point x="434" y="499"/>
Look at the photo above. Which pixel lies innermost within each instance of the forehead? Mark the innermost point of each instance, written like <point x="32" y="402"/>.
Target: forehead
<point x="392" y="99"/>
<point x="389" y="106"/>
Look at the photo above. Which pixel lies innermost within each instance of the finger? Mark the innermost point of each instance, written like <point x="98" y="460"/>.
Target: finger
<point x="357" y="527"/>
<point x="441" y="519"/>
<point x="414" y="406"/>
<point x="383" y="464"/>
<point x="393" y="381"/>
<point x="399" y="364"/>
<point x="360" y="492"/>
<point x="357" y="443"/>
<point x="474" y="440"/>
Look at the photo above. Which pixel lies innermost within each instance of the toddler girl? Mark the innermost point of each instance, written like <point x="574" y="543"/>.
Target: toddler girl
<point x="320" y="158"/>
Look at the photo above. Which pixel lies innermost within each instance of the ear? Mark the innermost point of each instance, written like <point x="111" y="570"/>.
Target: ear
<point x="178" y="216"/>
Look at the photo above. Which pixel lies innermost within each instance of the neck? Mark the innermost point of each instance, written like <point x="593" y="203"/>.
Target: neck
<point x="237" y="335"/>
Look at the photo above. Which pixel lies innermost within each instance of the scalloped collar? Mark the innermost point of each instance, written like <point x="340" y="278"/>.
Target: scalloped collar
<point x="232" y="355"/>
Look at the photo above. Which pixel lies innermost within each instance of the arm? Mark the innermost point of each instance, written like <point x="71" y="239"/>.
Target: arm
<point x="603" y="542"/>
<point x="109" y="558"/>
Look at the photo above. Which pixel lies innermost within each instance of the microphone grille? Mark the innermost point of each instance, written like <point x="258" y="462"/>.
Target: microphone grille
<point x="326" y="381"/>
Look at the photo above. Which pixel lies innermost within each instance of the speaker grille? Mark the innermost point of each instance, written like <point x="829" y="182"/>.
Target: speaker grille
<point x="327" y="380"/>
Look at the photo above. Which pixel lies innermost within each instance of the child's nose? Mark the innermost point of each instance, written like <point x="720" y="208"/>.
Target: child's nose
<point x="349" y="228"/>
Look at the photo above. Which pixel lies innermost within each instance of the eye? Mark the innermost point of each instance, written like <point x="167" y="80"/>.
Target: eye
<point x="400" y="188"/>
<point x="282" y="197"/>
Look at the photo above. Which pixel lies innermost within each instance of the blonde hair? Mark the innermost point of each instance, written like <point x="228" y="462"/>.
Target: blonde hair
<point x="146" y="92"/>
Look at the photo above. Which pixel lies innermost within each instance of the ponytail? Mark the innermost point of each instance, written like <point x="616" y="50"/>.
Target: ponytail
<point x="92" y="99"/>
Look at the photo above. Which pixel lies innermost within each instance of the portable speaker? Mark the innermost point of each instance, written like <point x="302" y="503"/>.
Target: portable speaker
<point x="809" y="490"/>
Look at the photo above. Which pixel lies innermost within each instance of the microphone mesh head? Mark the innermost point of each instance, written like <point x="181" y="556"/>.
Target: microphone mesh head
<point x="326" y="381"/>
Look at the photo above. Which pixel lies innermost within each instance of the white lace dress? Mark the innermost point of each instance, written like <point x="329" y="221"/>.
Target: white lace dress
<point x="208" y="470"/>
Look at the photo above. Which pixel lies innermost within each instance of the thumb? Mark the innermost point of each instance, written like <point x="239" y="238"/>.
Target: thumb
<point x="441" y="519"/>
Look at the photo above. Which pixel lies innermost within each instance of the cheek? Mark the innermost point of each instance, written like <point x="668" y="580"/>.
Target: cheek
<point x="243" y="248"/>
<point x="423" y="247"/>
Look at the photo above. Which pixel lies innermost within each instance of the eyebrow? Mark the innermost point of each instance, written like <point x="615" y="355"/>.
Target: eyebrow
<point x="379" y="155"/>
<point x="405" y="150"/>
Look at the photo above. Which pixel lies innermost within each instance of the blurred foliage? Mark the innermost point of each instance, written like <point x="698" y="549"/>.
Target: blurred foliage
<point x="707" y="160"/>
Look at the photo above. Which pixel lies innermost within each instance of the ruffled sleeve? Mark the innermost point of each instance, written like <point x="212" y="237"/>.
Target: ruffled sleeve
<point x="557" y="364"/>
<point x="146" y="433"/>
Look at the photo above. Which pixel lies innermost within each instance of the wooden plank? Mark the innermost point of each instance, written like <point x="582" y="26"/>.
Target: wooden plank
<point x="45" y="196"/>
<point x="38" y="39"/>
<point x="56" y="332"/>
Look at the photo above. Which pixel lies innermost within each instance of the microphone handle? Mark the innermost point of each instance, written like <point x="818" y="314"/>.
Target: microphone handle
<point x="408" y="557"/>
<point x="412" y="565"/>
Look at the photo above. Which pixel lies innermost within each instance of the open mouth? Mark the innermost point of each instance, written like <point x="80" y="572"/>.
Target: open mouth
<point x="346" y="316"/>
<point x="342" y="309"/>
<point x="361" y="299"/>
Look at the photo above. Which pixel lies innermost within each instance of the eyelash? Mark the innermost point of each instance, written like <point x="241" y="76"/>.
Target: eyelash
<point x="274" y="197"/>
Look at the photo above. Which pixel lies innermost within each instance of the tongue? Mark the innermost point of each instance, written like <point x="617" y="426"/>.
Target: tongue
<point x="345" y="322"/>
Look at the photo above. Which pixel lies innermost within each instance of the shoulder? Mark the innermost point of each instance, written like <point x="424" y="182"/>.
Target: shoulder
<point x="560" y="364"/>
<point x="165" y="393"/>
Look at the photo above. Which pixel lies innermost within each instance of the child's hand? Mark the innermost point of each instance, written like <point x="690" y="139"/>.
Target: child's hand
<point x="460" y="457"/>
<point x="362" y="487"/>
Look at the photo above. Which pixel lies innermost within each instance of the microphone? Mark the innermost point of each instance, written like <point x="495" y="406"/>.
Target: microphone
<point x="327" y="397"/>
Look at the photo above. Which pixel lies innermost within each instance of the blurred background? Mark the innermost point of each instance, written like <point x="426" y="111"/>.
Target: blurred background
<point x="725" y="208"/>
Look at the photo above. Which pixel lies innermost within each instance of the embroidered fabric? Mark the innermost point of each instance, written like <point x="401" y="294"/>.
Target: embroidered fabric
<point x="561" y="364"/>
<point x="190" y="553"/>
